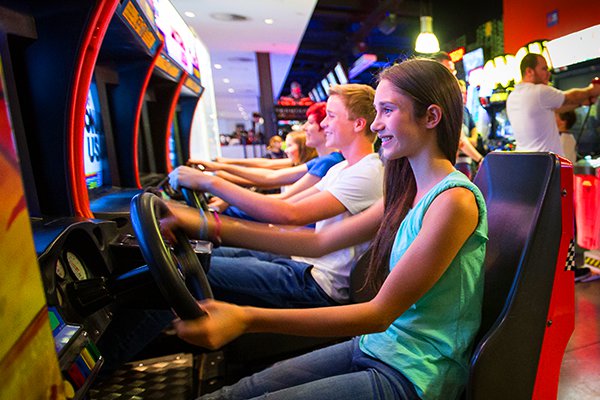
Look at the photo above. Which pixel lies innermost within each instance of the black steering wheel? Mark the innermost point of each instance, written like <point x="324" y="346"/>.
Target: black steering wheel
<point x="176" y="269"/>
<point x="195" y="199"/>
<point x="192" y="198"/>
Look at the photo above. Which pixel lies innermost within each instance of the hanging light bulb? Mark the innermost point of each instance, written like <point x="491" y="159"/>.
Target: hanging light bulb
<point x="426" y="42"/>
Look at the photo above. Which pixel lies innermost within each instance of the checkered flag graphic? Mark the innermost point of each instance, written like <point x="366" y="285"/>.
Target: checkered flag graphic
<point x="570" y="265"/>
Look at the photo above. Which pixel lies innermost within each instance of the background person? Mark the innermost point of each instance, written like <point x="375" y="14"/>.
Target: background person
<point x="565" y="122"/>
<point x="467" y="151"/>
<point x="531" y="106"/>
<point x="468" y="158"/>
<point x="296" y="148"/>
<point x="274" y="149"/>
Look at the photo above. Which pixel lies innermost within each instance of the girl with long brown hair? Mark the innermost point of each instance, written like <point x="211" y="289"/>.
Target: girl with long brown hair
<point x="430" y="233"/>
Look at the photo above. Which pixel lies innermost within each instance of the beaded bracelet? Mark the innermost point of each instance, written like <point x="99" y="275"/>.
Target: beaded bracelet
<point x="203" y="225"/>
<point x="217" y="236"/>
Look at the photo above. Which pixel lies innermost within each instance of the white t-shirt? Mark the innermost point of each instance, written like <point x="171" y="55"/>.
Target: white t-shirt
<point x="569" y="145"/>
<point x="530" y="110"/>
<point x="357" y="187"/>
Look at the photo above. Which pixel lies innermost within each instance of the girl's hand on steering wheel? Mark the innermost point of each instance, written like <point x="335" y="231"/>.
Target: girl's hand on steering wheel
<point x="222" y="323"/>
<point x="188" y="177"/>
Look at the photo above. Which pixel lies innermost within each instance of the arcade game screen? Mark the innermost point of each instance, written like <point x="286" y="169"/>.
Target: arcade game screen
<point x="332" y="79"/>
<point x="179" y="40"/>
<point x="587" y="130"/>
<point x="341" y="74"/>
<point x="321" y="92"/>
<point x="94" y="146"/>
<point x="501" y="124"/>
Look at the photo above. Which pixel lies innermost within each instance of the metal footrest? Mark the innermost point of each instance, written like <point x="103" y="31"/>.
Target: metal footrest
<point x="170" y="377"/>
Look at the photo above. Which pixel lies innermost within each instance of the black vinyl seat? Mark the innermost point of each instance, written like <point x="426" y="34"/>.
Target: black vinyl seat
<point x="528" y="305"/>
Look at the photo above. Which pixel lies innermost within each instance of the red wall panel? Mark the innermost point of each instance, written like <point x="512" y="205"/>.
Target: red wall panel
<point x="525" y="21"/>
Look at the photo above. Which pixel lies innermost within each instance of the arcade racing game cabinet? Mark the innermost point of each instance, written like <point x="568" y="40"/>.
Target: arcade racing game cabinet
<point x="142" y="93"/>
<point x="82" y="264"/>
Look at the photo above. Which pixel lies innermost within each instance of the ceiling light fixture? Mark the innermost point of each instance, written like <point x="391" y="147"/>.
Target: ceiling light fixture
<point x="427" y="42"/>
<point x="226" y="80"/>
<point x="230" y="90"/>
<point x="217" y="66"/>
<point x="269" y="21"/>
<point x="189" y="14"/>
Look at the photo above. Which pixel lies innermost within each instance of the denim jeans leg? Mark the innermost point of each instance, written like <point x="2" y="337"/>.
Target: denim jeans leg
<point x="238" y="252"/>
<point x="326" y="374"/>
<point x="265" y="280"/>
<point x="312" y="366"/>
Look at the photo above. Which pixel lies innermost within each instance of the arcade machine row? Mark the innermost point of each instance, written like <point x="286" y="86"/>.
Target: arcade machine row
<point x="170" y="99"/>
<point x="142" y="101"/>
<point x="42" y="48"/>
<point x="493" y="101"/>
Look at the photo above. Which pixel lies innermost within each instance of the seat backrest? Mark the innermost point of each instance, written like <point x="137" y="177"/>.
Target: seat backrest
<point x="528" y="309"/>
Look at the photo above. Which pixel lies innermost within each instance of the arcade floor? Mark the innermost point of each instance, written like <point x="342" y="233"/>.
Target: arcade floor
<point x="580" y="371"/>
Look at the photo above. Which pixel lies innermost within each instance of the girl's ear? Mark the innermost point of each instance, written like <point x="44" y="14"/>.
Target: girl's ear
<point x="433" y="116"/>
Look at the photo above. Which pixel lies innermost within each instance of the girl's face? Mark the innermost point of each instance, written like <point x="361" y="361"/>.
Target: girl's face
<point x="315" y="135"/>
<point x="292" y="150"/>
<point x="400" y="133"/>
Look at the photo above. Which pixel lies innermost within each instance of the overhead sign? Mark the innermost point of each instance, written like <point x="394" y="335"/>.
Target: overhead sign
<point x="575" y="48"/>
<point x="457" y="55"/>
<point x="362" y="63"/>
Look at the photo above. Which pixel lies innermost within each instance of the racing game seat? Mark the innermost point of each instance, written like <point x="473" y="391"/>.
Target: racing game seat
<point x="528" y="304"/>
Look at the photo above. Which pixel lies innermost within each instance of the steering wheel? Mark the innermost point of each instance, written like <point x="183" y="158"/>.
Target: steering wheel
<point x="176" y="270"/>
<point x="195" y="199"/>
<point x="172" y="193"/>
<point x="192" y="198"/>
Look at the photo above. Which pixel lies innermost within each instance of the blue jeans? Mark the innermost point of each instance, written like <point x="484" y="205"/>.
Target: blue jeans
<point x="256" y="278"/>
<point x="338" y="372"/>
<point x="233" y="211"/>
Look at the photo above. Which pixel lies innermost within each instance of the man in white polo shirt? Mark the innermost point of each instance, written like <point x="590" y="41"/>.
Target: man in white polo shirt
<point x="532" y="104"/>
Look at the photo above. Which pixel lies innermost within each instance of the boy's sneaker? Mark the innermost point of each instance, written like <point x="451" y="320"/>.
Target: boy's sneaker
<point x="582" y="273"/>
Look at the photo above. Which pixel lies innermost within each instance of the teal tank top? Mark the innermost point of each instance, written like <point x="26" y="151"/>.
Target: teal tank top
<point x="431" y="342"/>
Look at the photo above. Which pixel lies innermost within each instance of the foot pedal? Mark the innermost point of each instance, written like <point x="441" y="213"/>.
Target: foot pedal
<point x="211" y="371"/>
<point x="169" y="377"/>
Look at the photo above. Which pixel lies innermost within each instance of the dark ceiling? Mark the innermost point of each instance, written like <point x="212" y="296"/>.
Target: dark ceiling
<point x="342" y="30"/>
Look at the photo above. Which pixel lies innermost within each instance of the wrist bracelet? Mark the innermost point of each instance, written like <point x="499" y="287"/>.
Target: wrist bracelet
<point x="217" y="234"/>
<point x="203" y="225"/>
